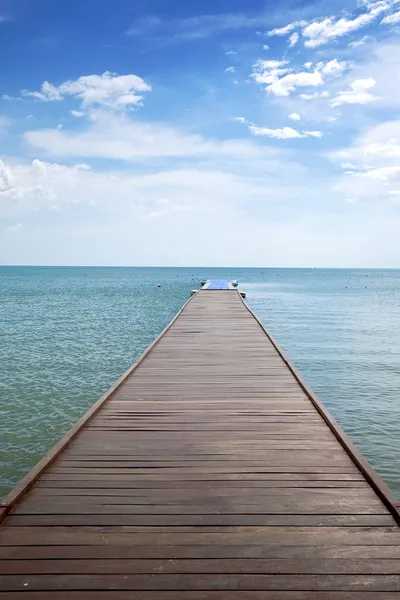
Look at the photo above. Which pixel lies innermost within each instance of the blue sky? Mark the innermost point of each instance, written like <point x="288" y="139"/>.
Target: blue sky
<point x="203" y="133"/>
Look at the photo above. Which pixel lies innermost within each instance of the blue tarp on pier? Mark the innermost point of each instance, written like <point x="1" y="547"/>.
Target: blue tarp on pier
<point x="218" y="284"/>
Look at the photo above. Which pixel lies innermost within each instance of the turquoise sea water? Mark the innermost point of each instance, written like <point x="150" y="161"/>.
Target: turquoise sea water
<point x="68" y="333"/>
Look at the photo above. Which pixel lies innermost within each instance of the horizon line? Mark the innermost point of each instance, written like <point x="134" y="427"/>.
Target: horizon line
<point x="191" y="267"/>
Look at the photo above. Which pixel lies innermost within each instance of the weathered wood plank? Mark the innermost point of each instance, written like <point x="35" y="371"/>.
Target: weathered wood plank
<point x="199" y="536"/>
<point x="201" y="595"/>
<point x="217" y="520"/>
<point x="107" y="551"/>
<point x="201" y="582"/>
<point x="207" y="566"/>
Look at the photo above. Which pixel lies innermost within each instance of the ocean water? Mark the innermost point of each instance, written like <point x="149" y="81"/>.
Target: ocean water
<point x="68" y="333"/>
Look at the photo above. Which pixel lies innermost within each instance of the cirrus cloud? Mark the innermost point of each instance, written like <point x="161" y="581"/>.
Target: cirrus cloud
<point x="321" y="32"/>
<point x="117" y="137"/>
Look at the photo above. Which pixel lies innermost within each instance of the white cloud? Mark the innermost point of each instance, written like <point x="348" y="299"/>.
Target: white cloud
<point x="288" y="83"/>
<point x="77" y="113"/>
<point x="38" y="184"/>
<point x="265" y="47"/>
<point x="382" y="173"/>
<point x="379" y="146"/>
<point x="115" y="136"/>
<point x="360" y="42"/>
<point x="371" y="165"/>
<point x="324" y="94"/>
<point x="332" y="68"/>
<point x="316" y="134"/>
<point x="230" y="70"/>
<point x="286" y="29"/>
<point x="358" y="94"/>
<point x="230" y="53"/>
<point x="293" y="39"/>
<point x="369" y="184"/>
<point x="281" y="80"/>
<point x="108" y="90"/>
<point x="268" y="65"/>
<point x="269" y="71"/>
<point x="185" y="197"/>
<point x="381" y="63"/>
<point x="392" y="19"/>
<point x="283" y="133"/>
<point x="321" y="32"/>
<point x="308" y="65"/>
<point x="48" y="93"/>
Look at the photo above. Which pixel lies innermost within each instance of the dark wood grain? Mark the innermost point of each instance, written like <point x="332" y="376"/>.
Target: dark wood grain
<point x="185" y="582"/>
<point x="214" y="551"/>
<point x="199" y="536"/>
<point x="230" y="566"/>
<point x="200" y="595"/>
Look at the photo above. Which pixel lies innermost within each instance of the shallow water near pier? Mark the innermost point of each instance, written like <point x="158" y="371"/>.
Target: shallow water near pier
<point x="67" y="333"/>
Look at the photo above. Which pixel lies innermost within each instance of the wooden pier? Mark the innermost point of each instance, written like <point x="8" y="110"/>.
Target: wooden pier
<point x="208" y="472"/>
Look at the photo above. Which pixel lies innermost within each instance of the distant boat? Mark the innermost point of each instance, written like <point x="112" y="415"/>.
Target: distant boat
<point x="235" y="283"/>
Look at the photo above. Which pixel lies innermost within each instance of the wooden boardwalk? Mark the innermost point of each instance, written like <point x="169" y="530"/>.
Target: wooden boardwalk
<point x="209" y="473"/>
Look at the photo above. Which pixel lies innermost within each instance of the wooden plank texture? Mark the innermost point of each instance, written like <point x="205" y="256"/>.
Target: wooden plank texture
<point x="210" y="472"/>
